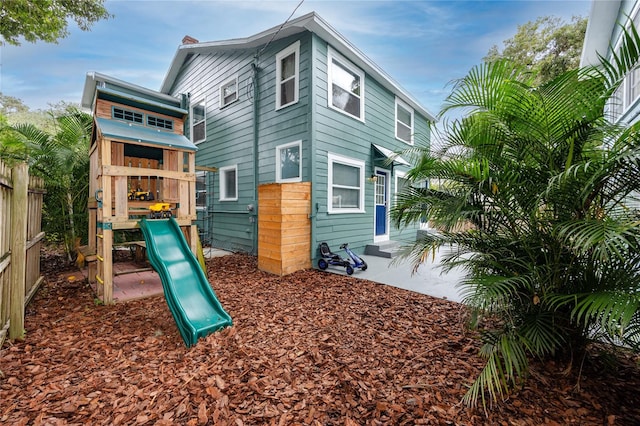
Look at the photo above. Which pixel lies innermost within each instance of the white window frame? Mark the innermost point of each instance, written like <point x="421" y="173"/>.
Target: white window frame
<point x="622" y="101"/>
<point x="223" y="182"/>
<point x="332" y="56"/>
<point x="295" y="49"/>
<point x="279" y="148"/>
<point x="192" y="124"/>
<point x="232" y="81"/>
<point x="331" y="159"/>
<point x="201" y="174"/>
<point x="398" y="175"/>
<point x="405" y="106"/>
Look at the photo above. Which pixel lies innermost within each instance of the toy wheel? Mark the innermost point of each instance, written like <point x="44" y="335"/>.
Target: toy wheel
<point x="349" y="269"/>
<point x="364" y="266"/>
<point x="143" y="197"/>
<point x="169" y="214"/>
<point x="322" y="264"/>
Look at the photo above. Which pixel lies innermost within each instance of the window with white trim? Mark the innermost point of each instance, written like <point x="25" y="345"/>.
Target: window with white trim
<point x="229" y="183"/>
<point x="345" y="86"/>
<point x="198" y="120"/>
<point x="404" y="122"/>
<point x="228" y="92"/>
<point x="288" y="162"/>
<point x="628" y="92"/>
<point x="201" y="190"/>
<point x="633" y="78"/>
<point x="287" y="75"/>
<point x="401" y="183"/>
<point x="345" y="185"/>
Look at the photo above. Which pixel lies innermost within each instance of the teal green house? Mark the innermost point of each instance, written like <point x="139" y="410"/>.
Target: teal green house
<point x="296" y="103"/>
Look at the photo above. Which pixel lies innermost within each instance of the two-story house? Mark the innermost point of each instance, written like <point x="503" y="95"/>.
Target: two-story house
<point x="296" y="103"/>
<point x="603" y="38"/>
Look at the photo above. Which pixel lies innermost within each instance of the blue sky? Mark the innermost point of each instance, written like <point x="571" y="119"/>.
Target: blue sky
<point x="423" y="45"/>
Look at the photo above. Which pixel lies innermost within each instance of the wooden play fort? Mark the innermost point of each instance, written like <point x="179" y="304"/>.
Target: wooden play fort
<point x="141" y="165"/>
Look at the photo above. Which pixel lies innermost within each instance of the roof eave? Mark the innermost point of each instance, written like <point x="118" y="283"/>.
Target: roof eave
<point x="311" y="22"/>
<point x="91" y="83"/>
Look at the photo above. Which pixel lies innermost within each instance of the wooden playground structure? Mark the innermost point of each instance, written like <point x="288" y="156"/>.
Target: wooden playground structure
<point x="141" y="164"/>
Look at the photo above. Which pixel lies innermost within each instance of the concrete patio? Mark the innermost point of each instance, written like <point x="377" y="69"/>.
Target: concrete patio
<point x="429" y="278"/>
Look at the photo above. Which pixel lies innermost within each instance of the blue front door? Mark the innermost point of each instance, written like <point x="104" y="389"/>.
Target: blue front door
<point x="381" y="202"/>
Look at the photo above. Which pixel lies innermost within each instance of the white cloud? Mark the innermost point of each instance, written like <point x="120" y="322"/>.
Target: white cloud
<point x="421" y="44"/>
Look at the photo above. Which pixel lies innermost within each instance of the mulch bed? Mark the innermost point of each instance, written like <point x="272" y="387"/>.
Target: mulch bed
<point x="311" y="348"/>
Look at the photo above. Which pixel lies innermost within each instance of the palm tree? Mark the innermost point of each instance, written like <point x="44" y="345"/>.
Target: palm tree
<point x="538" y="212"/>
<point x="62" y="159"/>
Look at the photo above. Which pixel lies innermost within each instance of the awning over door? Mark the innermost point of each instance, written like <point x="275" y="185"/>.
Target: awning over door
<point x="385" y="154"/>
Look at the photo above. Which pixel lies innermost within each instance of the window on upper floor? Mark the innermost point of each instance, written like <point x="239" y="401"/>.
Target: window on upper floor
<point x="198" y="122"/>
<point x="404" y="122"/>
<point x="628" y="93"/>
<point x="229" y="92"/>
<point x="229" y="183"/>
<point x="288" y="162"/>
<point x="161" y="123"/>
<point x="345" y="86"/>
<point x="345" y="185"/>
<point x="287" y="75"/>
<point x="127" y="115"/>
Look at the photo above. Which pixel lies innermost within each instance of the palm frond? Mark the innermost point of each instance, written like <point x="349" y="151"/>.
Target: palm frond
<point x="506" y="364"/>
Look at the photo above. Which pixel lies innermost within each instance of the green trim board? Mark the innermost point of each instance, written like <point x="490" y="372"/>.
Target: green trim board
<point x="136" y="133"/>
<point x="111" y="94"/>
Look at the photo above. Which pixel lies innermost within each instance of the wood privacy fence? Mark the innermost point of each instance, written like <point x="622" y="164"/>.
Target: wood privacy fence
<point x="20" y="240"/>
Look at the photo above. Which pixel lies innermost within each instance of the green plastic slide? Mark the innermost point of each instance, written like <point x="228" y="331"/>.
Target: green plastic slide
<point x="191" y="299"/>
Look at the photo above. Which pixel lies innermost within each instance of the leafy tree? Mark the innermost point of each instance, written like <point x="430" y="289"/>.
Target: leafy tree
<point x="16" y="111"/>
<point x="548" y="47"/>
<point x="11" y="105"/>
<point x="538" y="212"/>
<point x="47" y="20"/>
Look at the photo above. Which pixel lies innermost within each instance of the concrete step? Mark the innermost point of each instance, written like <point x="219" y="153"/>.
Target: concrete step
<point x="386" y="249"/>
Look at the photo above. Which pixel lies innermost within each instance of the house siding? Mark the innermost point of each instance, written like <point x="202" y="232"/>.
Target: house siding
<point x="340" y="134"/>
<point x="322" y="130"/>
<point x="229" y="141"/>
<point x="288" y="124"/>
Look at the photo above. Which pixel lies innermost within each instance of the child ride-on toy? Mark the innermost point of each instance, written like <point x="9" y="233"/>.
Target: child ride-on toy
<point x="330" y="258"/>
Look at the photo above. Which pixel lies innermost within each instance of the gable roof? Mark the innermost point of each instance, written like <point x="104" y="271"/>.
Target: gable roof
<point x="602" y="21"/>
<point x="310" y="22"/>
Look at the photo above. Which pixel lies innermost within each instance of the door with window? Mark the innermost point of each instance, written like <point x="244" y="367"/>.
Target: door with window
<point x="381" y="196"/>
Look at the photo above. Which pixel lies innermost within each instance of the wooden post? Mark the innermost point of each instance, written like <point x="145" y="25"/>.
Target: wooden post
<point x="20" y="177"/>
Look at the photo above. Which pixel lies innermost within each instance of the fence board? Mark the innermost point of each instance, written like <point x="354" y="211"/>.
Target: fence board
<point x="32" y="245"/>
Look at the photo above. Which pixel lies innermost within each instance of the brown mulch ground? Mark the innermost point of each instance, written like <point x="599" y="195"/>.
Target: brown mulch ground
<point x="310" y="348"/>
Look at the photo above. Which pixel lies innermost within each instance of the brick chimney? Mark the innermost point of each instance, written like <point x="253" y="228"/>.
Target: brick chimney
<point x="189" y="40"/>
